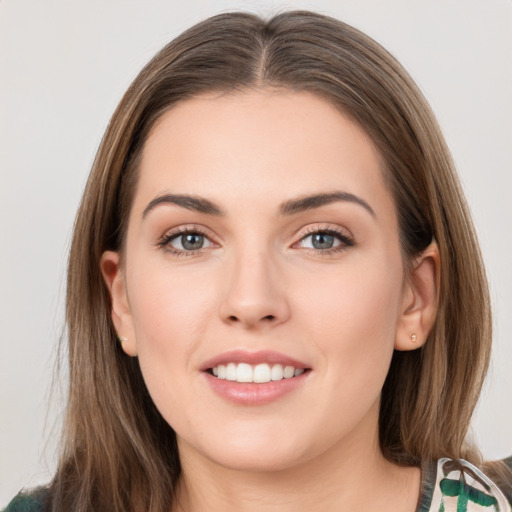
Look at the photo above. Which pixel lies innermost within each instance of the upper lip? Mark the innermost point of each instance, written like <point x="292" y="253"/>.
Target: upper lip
<point x="249" y="357"/>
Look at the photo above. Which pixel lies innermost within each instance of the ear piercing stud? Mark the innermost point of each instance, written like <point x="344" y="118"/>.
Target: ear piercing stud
<point x="413" y="337"/>
<point x="121" y="339"/>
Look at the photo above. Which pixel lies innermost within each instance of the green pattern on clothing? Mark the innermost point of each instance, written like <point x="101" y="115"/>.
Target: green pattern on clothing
<point x="465" y="494"/>
<point x="461" y="487"/>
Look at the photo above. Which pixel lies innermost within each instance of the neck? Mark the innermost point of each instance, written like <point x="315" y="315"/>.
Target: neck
<point x="352" y="475"/>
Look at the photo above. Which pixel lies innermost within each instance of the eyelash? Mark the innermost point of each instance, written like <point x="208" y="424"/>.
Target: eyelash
<point x="164" y="242"/>
<point x="346" y="241"/>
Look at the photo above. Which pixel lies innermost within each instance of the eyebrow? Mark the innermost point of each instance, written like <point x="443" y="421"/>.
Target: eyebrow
<point x="316" y="200"/>
<point x="290" y="207"/>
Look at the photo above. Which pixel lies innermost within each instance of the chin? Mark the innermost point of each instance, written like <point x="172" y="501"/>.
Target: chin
<point x="257" y="461"/>
<point x="251" y="453"/>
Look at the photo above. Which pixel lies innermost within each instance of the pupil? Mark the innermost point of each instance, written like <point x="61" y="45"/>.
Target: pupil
<point x="323" y="241"/>
<point x="192" y="242"/>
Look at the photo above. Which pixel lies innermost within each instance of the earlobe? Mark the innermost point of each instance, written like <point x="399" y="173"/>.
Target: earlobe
<point x="419" y="301"/>
<point x="121" y="314"/>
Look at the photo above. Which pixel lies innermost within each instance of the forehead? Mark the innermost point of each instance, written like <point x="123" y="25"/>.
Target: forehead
<point x="259" y="146"/>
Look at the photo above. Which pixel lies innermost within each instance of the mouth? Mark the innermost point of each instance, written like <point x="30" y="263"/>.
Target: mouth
<point x="253" y="378"/>
<point x="255" y="373"/>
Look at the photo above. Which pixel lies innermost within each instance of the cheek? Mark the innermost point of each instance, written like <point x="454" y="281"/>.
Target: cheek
<point x="351" y="322"/>
<point x="170" y="313"/>
<point x="358" y="298"/>
<point x="352" y="319"/>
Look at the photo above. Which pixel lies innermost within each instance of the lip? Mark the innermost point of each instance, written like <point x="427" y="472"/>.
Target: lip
<point x="260" y="356"/>
<point x="252" y="393"/>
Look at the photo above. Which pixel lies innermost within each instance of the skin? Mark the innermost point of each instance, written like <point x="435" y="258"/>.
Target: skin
<point x="259" y="283"/>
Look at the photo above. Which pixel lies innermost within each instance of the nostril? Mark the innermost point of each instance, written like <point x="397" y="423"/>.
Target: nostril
<point x="270" y="318"/>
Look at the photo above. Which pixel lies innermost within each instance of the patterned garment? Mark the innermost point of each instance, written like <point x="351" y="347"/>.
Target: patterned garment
<point x="447" y="485"/>
<point x="457" y="486"/>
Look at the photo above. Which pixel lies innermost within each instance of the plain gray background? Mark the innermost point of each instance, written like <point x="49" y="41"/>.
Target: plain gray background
<point x="63" y="68"/>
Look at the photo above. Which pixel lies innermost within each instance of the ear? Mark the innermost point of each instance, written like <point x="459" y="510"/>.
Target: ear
<point x="419" y="300"/>
<point x="121" y="313"/>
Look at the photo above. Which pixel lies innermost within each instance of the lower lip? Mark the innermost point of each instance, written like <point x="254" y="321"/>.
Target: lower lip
<point x="254" y="393"/>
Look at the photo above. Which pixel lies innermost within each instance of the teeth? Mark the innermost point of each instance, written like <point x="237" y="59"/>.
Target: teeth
<point x="288" y="372"/>
<point x="244" y="373"/>
<point x="231" y="371"/>
<point x="260" y="373"/>
<point x="277" y="372"/>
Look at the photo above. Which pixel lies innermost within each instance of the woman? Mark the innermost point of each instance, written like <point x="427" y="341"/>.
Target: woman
<point x="276" y="299"/>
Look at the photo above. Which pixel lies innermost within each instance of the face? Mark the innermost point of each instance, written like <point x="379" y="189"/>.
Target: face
<point x="262" y="236"/>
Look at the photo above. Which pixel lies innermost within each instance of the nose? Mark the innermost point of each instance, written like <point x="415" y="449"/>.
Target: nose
<point x="255" y="293"/>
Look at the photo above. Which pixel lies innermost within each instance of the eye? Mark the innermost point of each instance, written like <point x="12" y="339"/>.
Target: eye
<point x="185" y="242"/>
<point x="326" y="240"/>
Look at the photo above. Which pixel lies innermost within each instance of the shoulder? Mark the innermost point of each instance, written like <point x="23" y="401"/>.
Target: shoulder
<point x="458" y="486"/>
<point x="505" y="478"/>
<point x="33" y="501"/>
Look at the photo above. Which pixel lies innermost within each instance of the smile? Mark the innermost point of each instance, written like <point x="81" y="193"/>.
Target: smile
<point x="259" y="373"/>
<point x="254" y="378"/>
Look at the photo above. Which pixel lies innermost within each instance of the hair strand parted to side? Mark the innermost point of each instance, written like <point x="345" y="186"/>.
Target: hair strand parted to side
<point x="119" y="454"/>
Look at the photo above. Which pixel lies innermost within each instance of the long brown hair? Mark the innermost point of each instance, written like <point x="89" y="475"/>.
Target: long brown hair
<point x="118" y="453"/>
